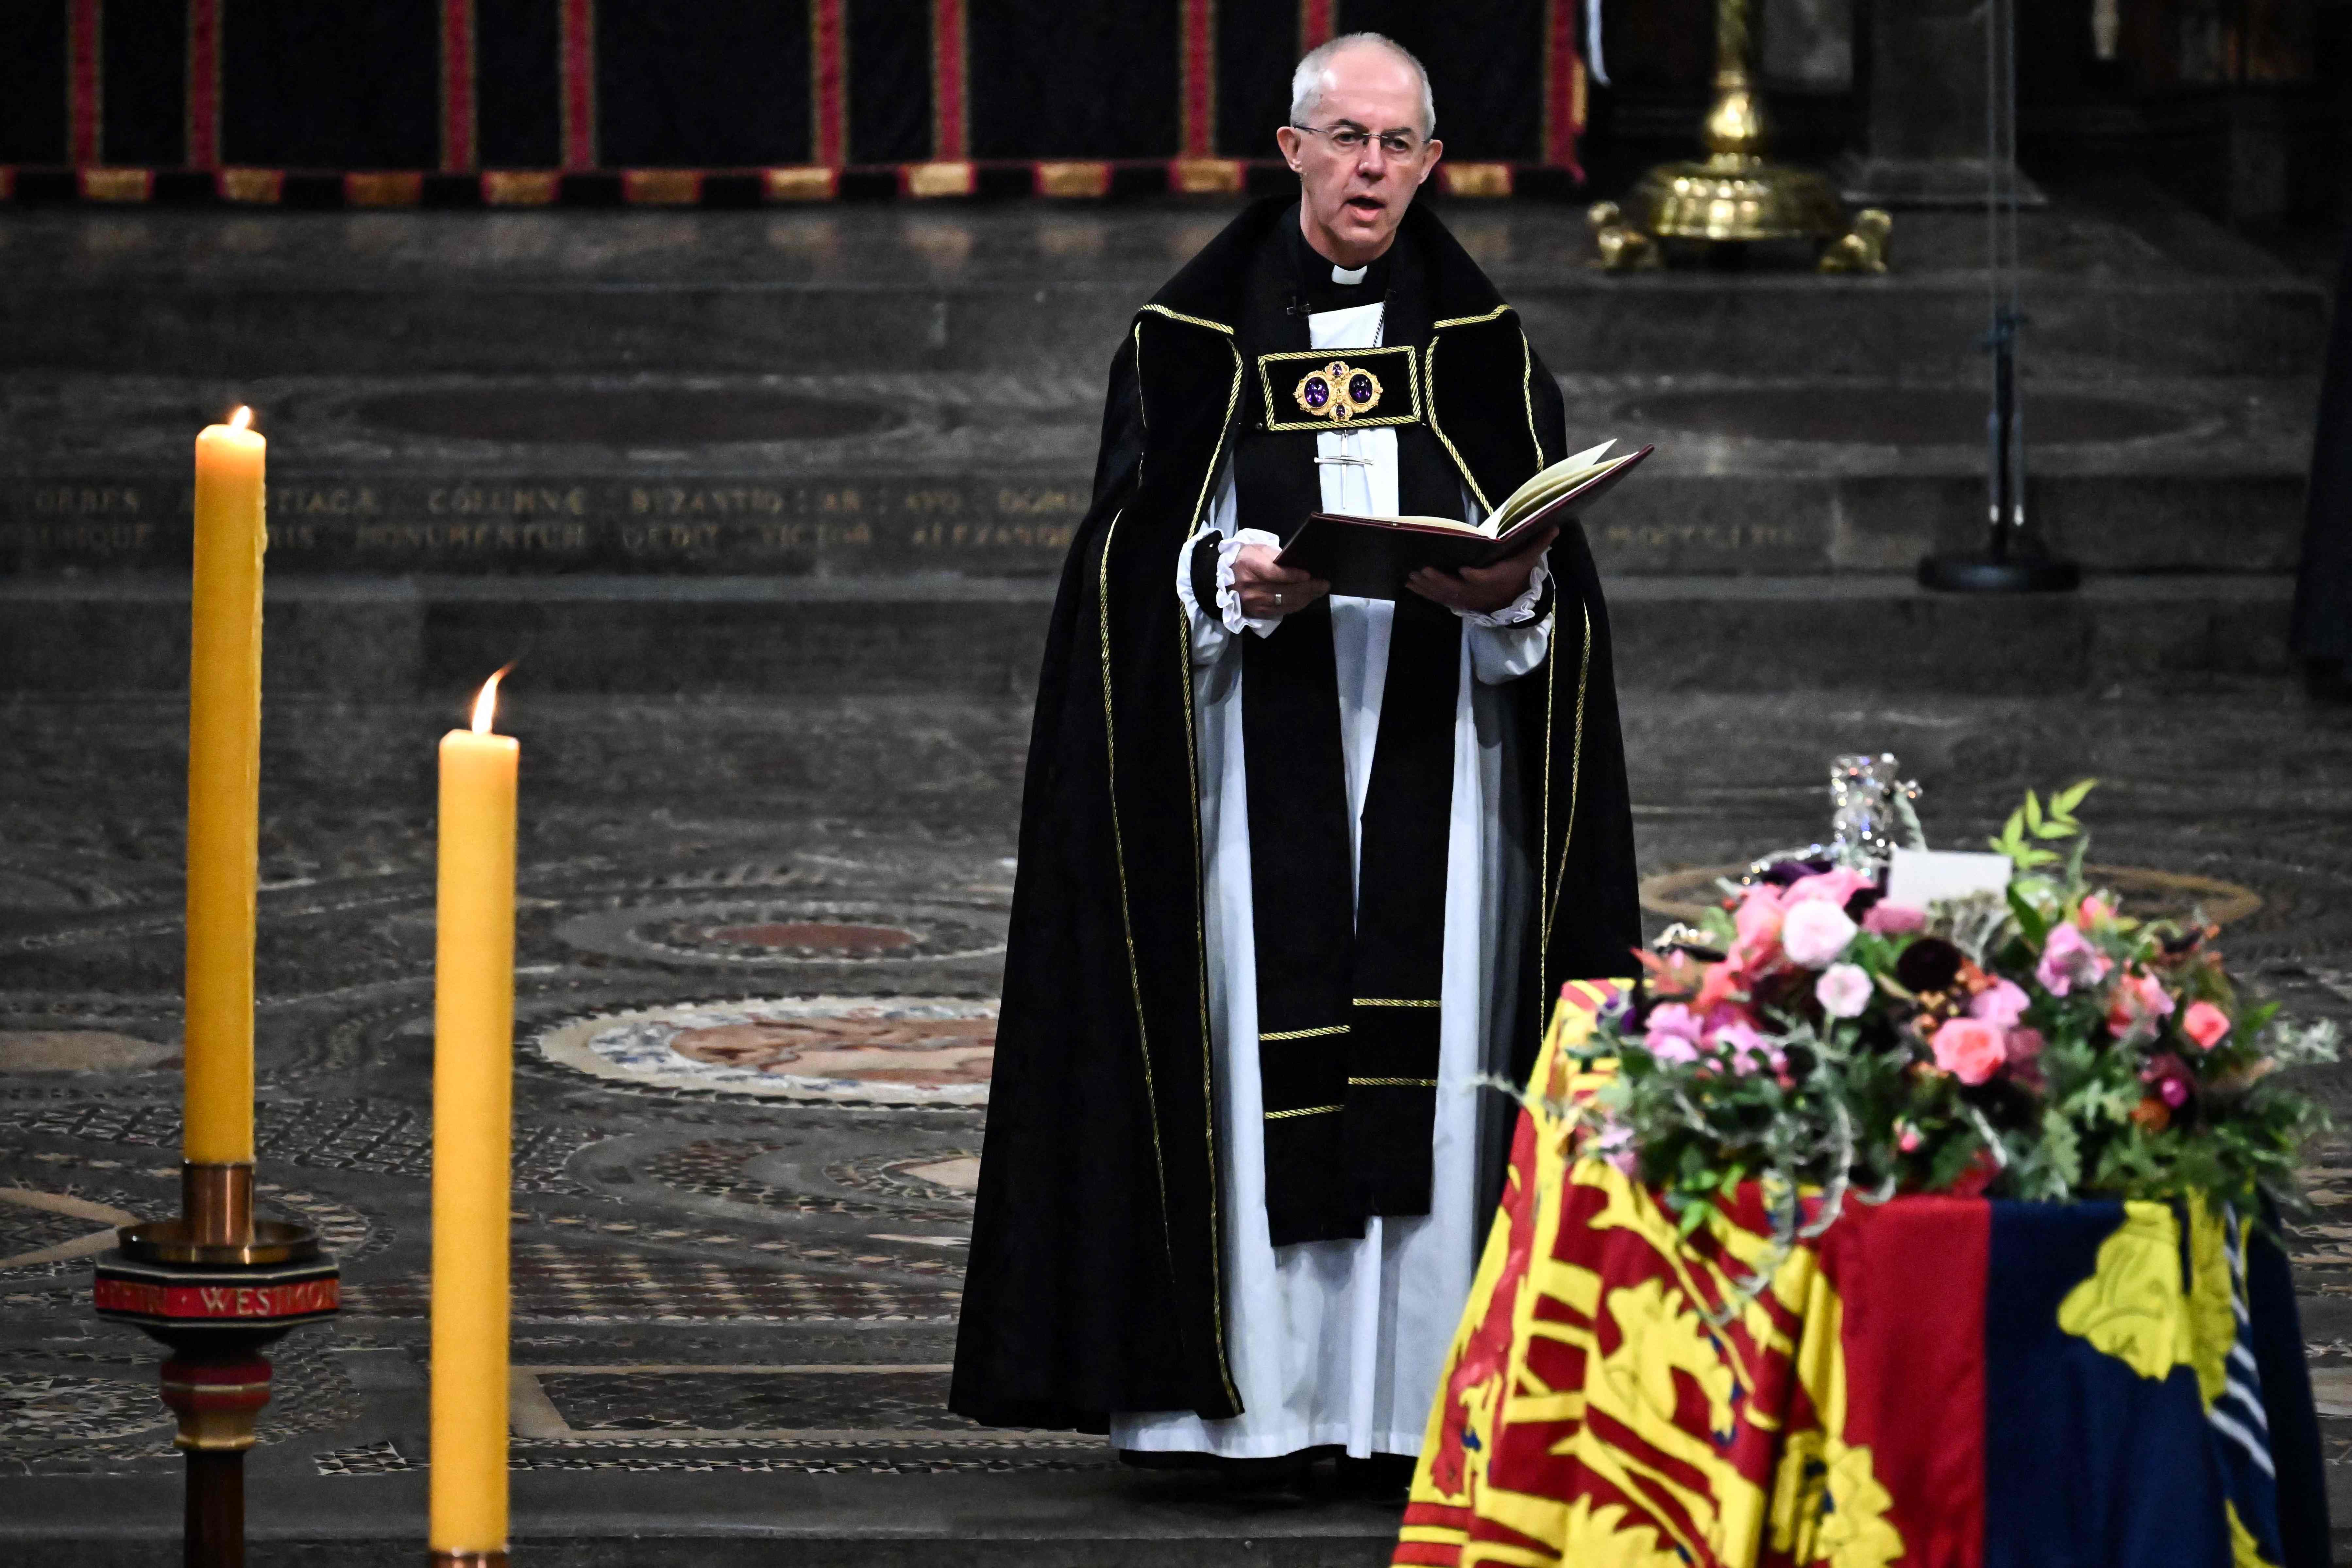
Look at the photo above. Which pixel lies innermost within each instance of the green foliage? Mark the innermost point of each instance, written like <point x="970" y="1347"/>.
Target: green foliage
<point x="2030" y="826"/>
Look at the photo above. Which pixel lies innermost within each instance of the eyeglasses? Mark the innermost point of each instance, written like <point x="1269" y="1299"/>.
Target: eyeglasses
<point x="1355" y="139"/>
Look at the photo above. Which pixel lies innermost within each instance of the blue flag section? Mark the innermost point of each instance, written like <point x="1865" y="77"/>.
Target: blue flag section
<point x="2146" y="1399"/>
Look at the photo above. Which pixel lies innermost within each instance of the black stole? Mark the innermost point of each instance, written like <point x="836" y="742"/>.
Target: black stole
<point x="1348" y="970"/>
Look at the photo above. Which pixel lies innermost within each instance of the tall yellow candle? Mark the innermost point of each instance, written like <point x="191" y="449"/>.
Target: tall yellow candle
<point x="224" y="790"/>
<point x="473" y="1111"/>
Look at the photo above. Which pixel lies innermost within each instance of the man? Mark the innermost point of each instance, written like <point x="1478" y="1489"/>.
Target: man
<point x="1295" y="871"/>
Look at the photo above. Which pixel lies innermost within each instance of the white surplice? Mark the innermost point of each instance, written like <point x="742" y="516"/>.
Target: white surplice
<point x="1343" y="1342"/>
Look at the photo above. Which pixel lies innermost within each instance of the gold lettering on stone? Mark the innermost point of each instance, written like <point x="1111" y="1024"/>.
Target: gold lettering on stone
<point x="462" y="538"/>
<point x="1037" y="502"/>
<point x="506" y="501"/>
<point x="991" y="535"/>
<point x="100" y="538"/>
<point x="647" y="538"/>
<point x="84" y="501"/>
<point x="1704" y="535"/>
<point x="724" y="500"/>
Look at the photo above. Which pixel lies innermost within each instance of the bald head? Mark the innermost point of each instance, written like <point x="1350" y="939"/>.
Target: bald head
<point x="1370" y="59"/>
<point x="1358" y="140"/>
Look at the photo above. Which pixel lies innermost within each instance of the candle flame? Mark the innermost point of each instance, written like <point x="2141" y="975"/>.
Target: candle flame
<point x="242" y="419"/>
<point x="486" y="706"/>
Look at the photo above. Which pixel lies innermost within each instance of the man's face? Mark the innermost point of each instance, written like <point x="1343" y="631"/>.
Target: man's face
<point x="1352" y="198"/>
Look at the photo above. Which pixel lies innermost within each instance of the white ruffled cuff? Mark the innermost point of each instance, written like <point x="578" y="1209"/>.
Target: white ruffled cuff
<point x="1519" y="611"/>
<point x="1229" y="603"/>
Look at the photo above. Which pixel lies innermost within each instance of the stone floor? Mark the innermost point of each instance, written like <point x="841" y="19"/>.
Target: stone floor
<point x="759" y="943"/>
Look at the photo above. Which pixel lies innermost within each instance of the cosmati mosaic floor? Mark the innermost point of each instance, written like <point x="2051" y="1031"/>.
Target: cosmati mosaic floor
<point x="759" y="953"/>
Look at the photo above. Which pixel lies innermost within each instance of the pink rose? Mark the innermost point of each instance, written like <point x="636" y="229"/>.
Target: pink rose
<point x="1828" y="886"/>
<point x="1758" y="918"/>
<point x="1969" y="1049"/>
<point x="2138" y="1004"/>
<point x="1673" y="1033"/>
<point x="2068" y="960"/>
<point x="1906" y="1137"/>
<point x="2205" y="1024"/>
<point x="2001" y="1005"/>
<point x="1884" y="918"/>
<point x="2094" y="910"/>
<point x="2024" y="1045"/>
<point x="1814" y="933"/>
<point x="1844" y="991"/>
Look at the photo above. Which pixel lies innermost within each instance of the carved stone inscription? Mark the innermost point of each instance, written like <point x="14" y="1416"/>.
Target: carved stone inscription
<point x="700" y="524"/>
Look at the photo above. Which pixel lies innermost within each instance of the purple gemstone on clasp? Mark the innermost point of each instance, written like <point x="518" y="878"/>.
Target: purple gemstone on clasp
<point x="1318" y="392"/>
<point x="1359" y="389"/>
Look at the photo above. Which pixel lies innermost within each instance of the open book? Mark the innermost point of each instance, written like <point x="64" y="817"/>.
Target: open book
<point x="1371" y="557"/>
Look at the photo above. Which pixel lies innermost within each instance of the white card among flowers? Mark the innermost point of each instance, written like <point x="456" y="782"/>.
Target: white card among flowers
<point x="1918" y="878"/>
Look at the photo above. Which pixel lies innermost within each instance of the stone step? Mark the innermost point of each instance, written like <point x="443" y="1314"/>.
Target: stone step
<point x="723" y="1512"/>
<point x="986" y="473"/>
<point x="2129" y="287"/>
<point x="363" y="637"/>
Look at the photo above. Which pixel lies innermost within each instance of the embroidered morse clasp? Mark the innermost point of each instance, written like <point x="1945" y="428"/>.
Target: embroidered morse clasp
<point x="1338" y="392"/>
<point x="1334" y="394"/>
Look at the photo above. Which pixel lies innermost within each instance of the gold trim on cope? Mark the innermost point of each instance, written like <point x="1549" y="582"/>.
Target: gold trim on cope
<point x="1305" y="1110"/>
<point x="1575" y="781"/>
<point x="1194" y="320"/>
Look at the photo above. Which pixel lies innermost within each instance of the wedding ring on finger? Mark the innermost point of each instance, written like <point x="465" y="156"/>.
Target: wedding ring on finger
<point x="1277" y="599"/>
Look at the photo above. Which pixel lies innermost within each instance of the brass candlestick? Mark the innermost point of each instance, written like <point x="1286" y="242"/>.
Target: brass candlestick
<point x="215" y="1285"/>
<point x="1734" y="196"/>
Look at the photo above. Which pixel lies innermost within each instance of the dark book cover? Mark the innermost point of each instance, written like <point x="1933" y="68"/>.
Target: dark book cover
<point x="1371" y="557"/>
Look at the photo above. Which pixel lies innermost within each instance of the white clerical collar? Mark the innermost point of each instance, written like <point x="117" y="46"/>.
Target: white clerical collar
<point x="1349" y="275"/>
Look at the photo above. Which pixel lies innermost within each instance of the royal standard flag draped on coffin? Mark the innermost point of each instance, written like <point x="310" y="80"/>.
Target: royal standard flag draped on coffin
<point x="1930" y="1383"/>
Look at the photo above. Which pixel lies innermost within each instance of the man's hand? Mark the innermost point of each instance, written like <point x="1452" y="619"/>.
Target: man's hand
<point x="1482" y="590"/>
<point x="1266" y="590"/>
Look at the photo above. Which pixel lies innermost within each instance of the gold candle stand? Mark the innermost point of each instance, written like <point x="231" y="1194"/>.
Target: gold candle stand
<point x="1733" y="194"/>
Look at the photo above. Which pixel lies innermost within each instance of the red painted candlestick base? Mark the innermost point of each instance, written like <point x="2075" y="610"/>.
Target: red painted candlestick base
<point x="216" y="1288"/>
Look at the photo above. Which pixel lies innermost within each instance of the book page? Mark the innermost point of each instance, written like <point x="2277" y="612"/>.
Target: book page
<point x="1563" y="476"/>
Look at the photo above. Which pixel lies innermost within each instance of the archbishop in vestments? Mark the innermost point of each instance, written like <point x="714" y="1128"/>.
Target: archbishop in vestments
<point x="1295" y="870"/>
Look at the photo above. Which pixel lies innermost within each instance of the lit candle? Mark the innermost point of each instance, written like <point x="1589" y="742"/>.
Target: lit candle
<point x="224" y="790"/>
<point x="473" y="1098"/>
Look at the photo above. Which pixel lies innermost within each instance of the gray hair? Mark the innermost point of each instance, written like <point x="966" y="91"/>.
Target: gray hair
<point x="1307" y="81"/>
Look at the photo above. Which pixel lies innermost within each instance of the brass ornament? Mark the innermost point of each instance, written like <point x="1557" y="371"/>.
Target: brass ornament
<point x="1338" y="392"/>
<point x="1734" y="194"/>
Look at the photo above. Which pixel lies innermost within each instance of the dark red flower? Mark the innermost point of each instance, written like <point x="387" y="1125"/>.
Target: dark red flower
<point x="1931" y="964"/>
